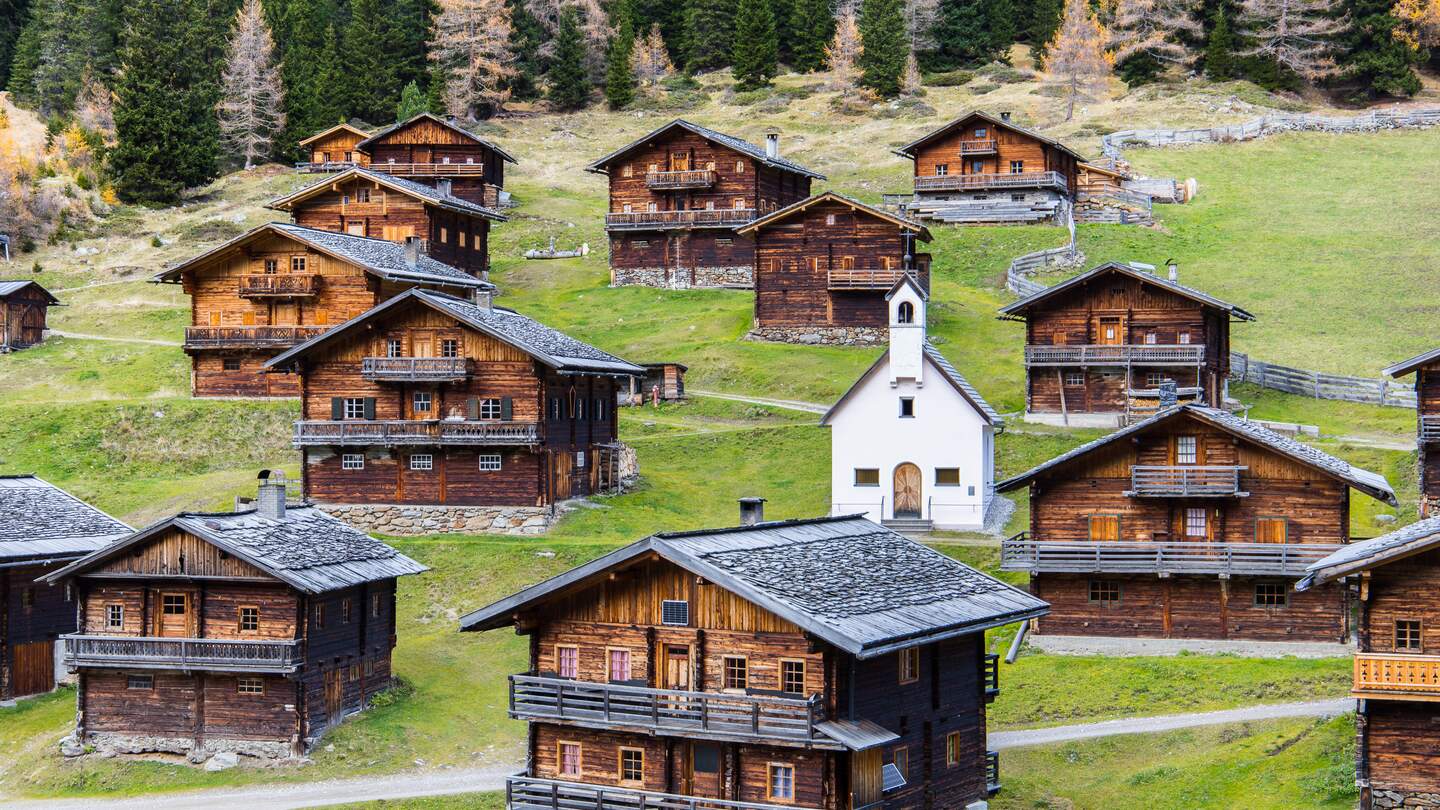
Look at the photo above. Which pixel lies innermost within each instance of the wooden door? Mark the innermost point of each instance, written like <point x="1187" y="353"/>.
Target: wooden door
<point x="907" y="490"/>
<point x="34" y="668"/>
<point x="422" y="154"/>
<point x="422" y="344"/>
<point x="355" y="228"/>
<point x="1108" y="332"/>
<point x="563" y="464"/>
<point x="173" y="620"/>
<point x="334" y="695"/>
<point x="679" y="161"/>
<point x="677" y="667"/>
<point x="702" y="770"/>
<point x="285" y="314"/>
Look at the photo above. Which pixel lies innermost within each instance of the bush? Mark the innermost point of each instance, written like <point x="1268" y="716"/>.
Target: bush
<point x="85" y="181"/>
<point x="984" y="87"/>
<point x="954" y="78"/>
<point x="212" y="230"/>
<point x="156" y="242"/>
<point x="745" y="98"/>
<point x="1001" y="73"/>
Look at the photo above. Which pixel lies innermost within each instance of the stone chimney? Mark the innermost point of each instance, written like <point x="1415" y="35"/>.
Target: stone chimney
<point x="772" y="144"/>
<point x="414" y="247"/>
<point x="752" y="511"/>
<point x="270" y="503"/>
<point x="1168" y="396"/>
<point x="1174" y="269"/>
<point x="444" y="186"/>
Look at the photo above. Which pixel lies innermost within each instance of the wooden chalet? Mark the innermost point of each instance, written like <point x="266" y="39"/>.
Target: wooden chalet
<point x="830" y="261"/>
<point x="980" y="168"/>
<point x="662" y="381"/>
<point x="434" y="150"/>
<point x="252" y="631"/>
<point x="1193" y="523"/>
<point x="677" y="196"/>
<point x="24" y="305"/>
<point x="1426" y="368"/>
<point x="1099" y="347"/>
<point x="820" y="664"/>
<point x="281" y="284"/>
<point x="41" y="527"/>
<point x="433" y="399"/>
<point x="363" y="202"/>
<point x="1397" y="662"/>
<point x="334" y="149"/>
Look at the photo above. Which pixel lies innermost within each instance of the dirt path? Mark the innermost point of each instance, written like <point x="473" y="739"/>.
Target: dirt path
<point x="789" y="404"/>
<point x="78" y="336"/>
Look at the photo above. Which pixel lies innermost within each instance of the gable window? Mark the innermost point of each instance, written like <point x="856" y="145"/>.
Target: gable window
<point x="1017" y="167"/>
<point x="632" y="766"/>
<point x="250" y="686"/>
<point x="1105" y="591"/>
<point x="1186" y="450"/>
<point x="619" y="666"/>
<point x="627" y="170"/>
<point x="1271" y="530"/>
<point x="1407" y="635"/>
<point x="297" y="264"/>
<point x="737" y="672"/>
<point x="145" y="682"/>
<point x="947" y="476"/>
<point x="354" y="408"/>
<point x="907" y="407"/>
<point x="489" y="462"/>
<point x="867" y="477"/>
<point x="449" y="347"/>
<point x="1195" y="522"/>
<point x="981" y="132"/>
<point x="792" y="677"/>
<point x="570" y="759"/>
<point x="230" y="364"/>
<point x="394" y="347"/>
<point x="362" y="195"/>
<point x="272" y="266"/>
<point x="422" y="401"/>
<point x="249" y="619"/>
<point x="567" y="661"/>
<point x="739" y="167"/>
<point x="1104" y="527"/>
<point x="114" y="617"/>
<point x="905" y="313"/>
<point x="352" y="461"/>
<point x="781" y="782"/>
<point x="1271" y="594"/>
<point x="422" y="461"/>
<point x="909" y="664"/>
<point x="1075" y="378"/>
<point x="829" y="219"/>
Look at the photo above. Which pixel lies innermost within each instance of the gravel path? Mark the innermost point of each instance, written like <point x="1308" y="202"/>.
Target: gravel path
<point x="791" y="404"/>
<point x="1144" y="725"/>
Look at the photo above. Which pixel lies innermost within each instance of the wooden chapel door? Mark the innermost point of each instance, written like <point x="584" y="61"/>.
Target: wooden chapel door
<point x="907" y="490"/>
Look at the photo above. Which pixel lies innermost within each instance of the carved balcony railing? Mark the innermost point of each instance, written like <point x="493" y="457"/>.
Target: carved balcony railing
<point x="1430" y="428"/>
<point x="1396" y="675"/>
<point x="531" y="793"/>
<point x="328" y="165"/>
<point x="701" y="218"/>
<point x="274" y="285"/>
<point x="430" y="169"/>
<point x="227" y="337"/>
<point x="864" y="279"/>
<point x="1185" y="481"/>
<point x="992" y="772"/>
<point x="208" y="654"/>
<point x="690" y="178"/>
<point x="980" y="147"/>
<point x="415" y="369"/>
<point x="1020" y="553"/>
<point x="1133" y="354"/>
<point x="995" y="180"/>
<point x="391" y="432"/>
<point x="991" y="673"/>
<point x="711" y="715"/>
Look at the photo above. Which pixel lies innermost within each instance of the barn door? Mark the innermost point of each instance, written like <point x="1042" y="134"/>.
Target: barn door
<point x="563" y="464"/>
<point x="286" y="314"/>
<point x="907" y="490"/>
<point x="679" y="161"/>
<point x="34" y="670"/>
<point x="422" y="344"/>
<point x="334" y="695"/>
<point x="423" y="154"/>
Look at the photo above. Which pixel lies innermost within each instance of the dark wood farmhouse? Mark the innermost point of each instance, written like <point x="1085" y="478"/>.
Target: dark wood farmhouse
<point x="362" y="202"/>
<point x="334" y="149"/>
<point x="825" y="265"/>
<point x="432" y="399"/>
<point x="1193" y="523"/>
<point x="982" y="169"/>
<point x="279" y="285"/>
<point x="825" y="664"/>
<point x="252" y="632"/>
<point x="677" y="195"/>
<point x="1426" y="368"/>
<point x="437" y="151"/>
<point x="1099" y="347"/>
<point x="1393" y="578"/>
<point x="24" y="304"/>
<point x="42" y="527"/>
<point x="662" y="381"/>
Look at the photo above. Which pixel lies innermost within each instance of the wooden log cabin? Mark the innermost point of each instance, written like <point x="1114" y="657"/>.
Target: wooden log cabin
<point x="1099" y="346"/>
<point x="42" y="527"/>
<point x="252" y="632"/>
<point x="664" y="382"/>
<point x="828" y="263"/>
<point x="823" y="664"/>
<point x="24" y="306"/>
<point x="983" y="169"/>
<point x="1193" y="523"/>
<point x="433" y="399"/>
<point x="280" y="284"/>
<point x="1396" y="680"/>
<point x="677" y="195"/>
<point x="362" y="202"/>
<point x="434" y="150"/>
<point x="333" y="150"/>
<point x="1426" y="368"/>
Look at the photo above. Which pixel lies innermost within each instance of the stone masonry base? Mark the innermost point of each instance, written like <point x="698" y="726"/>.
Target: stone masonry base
<point x="684" y="278"/>
<point x="1382" y="799"/>
<point x="404" y="520"/>
<point x="821" y="335"/>
<point x="109" y="742"/>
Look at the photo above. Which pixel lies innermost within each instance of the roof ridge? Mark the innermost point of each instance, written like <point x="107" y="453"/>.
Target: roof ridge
<point x="768" y="524"/>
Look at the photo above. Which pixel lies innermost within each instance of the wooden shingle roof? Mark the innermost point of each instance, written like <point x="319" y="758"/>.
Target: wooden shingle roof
<point x="352" y="129"/>
<point x="447" y="123"/>
<point x="40" y="521"/>
<point x="1417" y="538"/>
<point x="921" y="232"/>
<point x="908" y="150"/>
<point x="744" y="147"/>
<point x="1017" y="309"/>
<point x="409" y="188"/>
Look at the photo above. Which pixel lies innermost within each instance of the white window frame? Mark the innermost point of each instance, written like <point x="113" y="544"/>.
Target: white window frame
<point x="427" y="398"/>
<point x="579" y="459"/>
<point x="422" y="461"/>
<point x="1197" y="517"/>
<point x="354" y="408"/>
<point x="352" y="461"/>
<point x="114" y="617"/>
<point x="490" y="462"/>
<point x="1187" y="450"/>
<point x="489" y="408"/>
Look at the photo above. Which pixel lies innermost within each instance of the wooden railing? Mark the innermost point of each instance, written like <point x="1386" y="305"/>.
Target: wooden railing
<point x="1430" y="427"/>
<point x="209" y="337"/>
<point x="1185" y="481"/>
<point x="864" y="279"/>
<point x="980" y="182"/>
<point x="415" y="369"/>
<point x="1020" y="553"/>
<point x="982" y="147"/>
<point x="531" y="793"/>
<point x="712" y="715"/>
<point x="1136" y="354"/>
<point x="992" y="772"/>
<point x="429" y="169"/>
<point x="328" y="166"/>
<point x="701" y="218"/>
<point x="1397" y="674"/>
<point x="228" y="655"/>
<point x="991" y="678"/>
<point x="405" y="431"/>
<point x="273" y="284"/>
<point x="691" y="178"/>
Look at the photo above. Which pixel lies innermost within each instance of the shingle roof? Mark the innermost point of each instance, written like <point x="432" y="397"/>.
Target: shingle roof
<point x="9" y="287"/>
<point x="1368" y="482"/>
<point x="1407" y="366"/>
<point x="1403" y="542"/>
<point x="385" y="259"/>
<point x="409" y="187"/>
<point x="952" y="376"/>
<point x="800" y="205"/>
<point x="728" y="141"/>
<point x="39" y="521"/>
<point x="1133" y="272"/>
<point x="857" y="585"/>
<point x="907" y="149"/>
<point x="365" y="144"/>
<point x="308" y="550"/>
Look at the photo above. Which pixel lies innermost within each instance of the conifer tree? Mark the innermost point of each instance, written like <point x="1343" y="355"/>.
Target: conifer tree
<point x="842" y="55"/>
<point x="12" y="19"/>
<point x="709" y="34"/>
<point x="757" y="49"/>
<point x="1075" y="59"/>
<point x="619" y="79"/>
<point x="412" y="103"/>
<point x="25" y="56"/>
<point x="569" y="81"/>
<point x="1378" y="50"/>
<point x="406" y="26"/>
<point x="650" y="61"/>
<point x="525" y="42"/>
<point x="68" y="36"/>
<point x="307" y="54"/>
<point x="1297" y="35"/>
<point x="965" y="34"/>
<point x="812" y="24"/>
<point x="1220" y="62"/>
<point x="884" y="46"/>
<point x="252" y="100"/>
<point x="1040" y="19"/>
<point x="368" y="87"/>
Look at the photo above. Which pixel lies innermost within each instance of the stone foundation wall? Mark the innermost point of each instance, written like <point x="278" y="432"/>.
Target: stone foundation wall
<point x="822" y="335"/>
<point x="110" y="744"/>
<point x="404" y="520"/>
<point x="1382" y="799"/>
<point x="736" y="277"/>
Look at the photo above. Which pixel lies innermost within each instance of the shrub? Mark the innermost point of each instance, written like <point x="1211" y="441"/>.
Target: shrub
<point x="85" y="181"/>
<point x="954" y="78"/>
<point x="984" y="87"/>
<point x="1001" y="73"/>
<point x="156" y="242"/>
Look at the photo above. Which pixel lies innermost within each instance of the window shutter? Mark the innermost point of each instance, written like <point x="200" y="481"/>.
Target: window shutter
<point x="369" y="407"/>
<point x="472" y="408"/>
<point x="507" y="408"/>
<point x="337" y="408"/>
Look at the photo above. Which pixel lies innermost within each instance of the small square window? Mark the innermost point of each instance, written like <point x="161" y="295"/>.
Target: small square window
<point x="272" y="266"/>
<point x="489" y="409"/>
<point x="250" y="686"/>
<point x="1407" y="635"/>
<point x="249" y="619"/>
<point x="782" y="782"/>
<point x="947" y="476"/>
<point x="114" y="617"/>
<point x="907" y="407"/>
<point x="230" y="364"/>
<point x="352" y="461"/>
<point x="942" y="169"/>
<point x="1017" y="197"/>
<point x="567" y="661"/>
<point x="1151" y="338"/>
<point x="145" y="682"/>
<point x="1184" y="338"/>
<point x="297" y="264"/>
<point x="632" y="766"/>
<point x="737" y="672"/>
<point x="1154" y="378"/>
<point x="489" y="462"/>
<point x="449" y="347"/>
<point x="173" y="604"/>
<point x="981" y="132"/>
<point x="1271" y="594"/>
<point x="422" y="461"/>
<point x="909" y="665"/>
<point x="1017" y="167"/>
<point x="792" y="677"/>
<point x="867" y="477"/>
<point x="1105" y="591"/>
<point x="354" y="408"/>
<point x="422" y="401"/>
<point x="1075" y="378"/>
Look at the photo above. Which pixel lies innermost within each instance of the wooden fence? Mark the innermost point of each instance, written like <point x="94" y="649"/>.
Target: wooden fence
<point x="1376" y="391"/>
<point x="1017" y="275"/>
<point x="1269" y="125"/>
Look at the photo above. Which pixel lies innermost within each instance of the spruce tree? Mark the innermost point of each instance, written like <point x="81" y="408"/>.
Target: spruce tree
<point x="709" y="29"/>
<point x="12" y="19"/>
<point x="811" y="26"/>
<point x="963" y="35"/>
<point x="756" y="55"/>
<point x="668" y="14"/>
<point x="1039" y="21"/>
<point x="368" y="87"/>
<point x="412" y="103"/>
<point x="1373" y="56"/>
<point x="619" y="80"/>
<point x="569" y="84"/>
<point x="526" y="38"/>
<point x="882" y="37"/>
<point x="310" y="105"/>
<point x="406" y="25"/>
<point x="26" y="56"/>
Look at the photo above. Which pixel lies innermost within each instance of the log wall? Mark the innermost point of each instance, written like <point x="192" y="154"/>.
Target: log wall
<point x="32" y="617"/>
<point x="1011" y="145"/>
<point x="22" y="318"/>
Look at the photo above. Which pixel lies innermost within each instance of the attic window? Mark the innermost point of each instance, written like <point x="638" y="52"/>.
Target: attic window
<point x="675" y="613"/>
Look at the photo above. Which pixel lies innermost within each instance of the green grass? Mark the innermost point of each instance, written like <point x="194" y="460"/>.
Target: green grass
<point x="466" y="801"/>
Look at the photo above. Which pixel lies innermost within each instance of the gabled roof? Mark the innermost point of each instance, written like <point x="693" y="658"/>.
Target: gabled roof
<point x="549" y="346"/>
<point x="727" y="141"/>
<point x="435" y="119"/>
<point x="1097" y="168"/>
<point x="9" y="287"/>
<point x="908" y="150"/>
<point x="308" y="550"/>
<point x="40" y="521"/>
<point x="1416" y="538"/>
<point x="409" y="188"/>
<point x="947" y="371"/>
<point x="855" y="584"/>
<point x="376" y="256"/>
<point x="1414" y="364"/>
<point x="1204" y="299"/>
<point x="908" y="280"/>
<point x="829" y="196"/>
<point x="1370" y="483"/>
<point x="347" y="127"/>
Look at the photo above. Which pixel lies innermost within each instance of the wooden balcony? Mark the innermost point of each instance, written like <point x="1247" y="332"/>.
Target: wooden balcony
<point x="1429" y="428"/>
<point x="981" y="147"/>
<point x="992" y="772"/>
<point x="531" y="793"/>
<point x="274" y="285"/>
<point x="991" y="181"/>
<point x="702" y="218"/>
<point x="246" y="337"/>
<point x="430" y="169"/>
<point x="327" y="166"/>
<point x="1021" y="553"/>
<point x="863" y="279"/>
<point x="670" y="181"/>
<point x="395" y="432"/>
<point x="1128" y="354"/>
<point x="415" y="369"/>
<point x="1397" y="676"/>
<point x="707" y="715"/>
<point x="1185" y="481"/>
<point x="191" y="654"/>
<point x="991" y="676"/>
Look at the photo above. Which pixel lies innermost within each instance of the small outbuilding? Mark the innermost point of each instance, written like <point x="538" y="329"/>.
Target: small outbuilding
<point x="24" y="305"/>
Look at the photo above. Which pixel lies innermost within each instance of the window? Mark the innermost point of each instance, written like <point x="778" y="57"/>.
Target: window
<point x="792" y="677"/>
<point x="952" y="749"/>
<point x="981" y="132"/>
<point x="247" y="319"/>
<point x="675" y="613"/>
<point x="488" y="409"/>
<point x="654" y="168"/>
<point x="907" y="407"/>
<point x="909" y="665"/>
<point x="781" y="785"/>
<point x="322" y="317"/>
<point x="146" y="682"/>
<point x="739" y="167"/>
<point x="362" y="195"/>
<point x="1195" y="522"/>
<point x="579" y="407"/>
<point x="580" y="459"/>
<point x="737" y="672"/>
<point x="1104" y="527"/>
<point x="567" y="661"/>
<point x="829" y="219"/>
<point x="249" y="619"/>
<point x="867" y="477"/>
<point x="627" y="170"/>
<point x="489" y="462"/>
<point x="619" y="665"/>
<point x="377" y="605"/>
<point x="320" y="615"/>
<point x="250" y="686"/>
<point x="1184" y="338"/>
<point x="556" y="411"/>
<point x="272" y="266"/>
<point x="942" y="169"/>
<point x="569" y="759"/>
<point x="449" y="347"/>
<point x="627" y="208"/>
<point x="394" y="347"/>
<point x="978" y="167"/>
<point x="632" y="766"/>
<point x="1154" y="378"/>
<point x="739" y="203"/>
<point x="640" y="243"/>
<point x="352" y="461"/>
<point x="297" y="264"/>
<point x="1017" y="197"/>
<point x="173" y="604"/>
<point x="1105" y="591"/>
<point x="1407" y="634"/>
<point x="1270" y="530"/>
<point x="422" y="461"/>
<point x="354" y="408"/>
<point x="1151" y="338"/>
<point x="1271" y="594"/>
<point x="905" y="313"/>
<point x="1017" y="167"/>
<point x="652" y="207"/>
<point x="1074" y="378"/>
<point x="1186" y="450"/>
<point x="230" y="364"/>
<point x="422" y="400"/>
<point x="444" y="235"/>
<point x="901" y="758"/>
<point x="114" y="617"/>
<point x="462" y="239"/>
<point x="947" y="476"/>
<point x="345" y="612"/>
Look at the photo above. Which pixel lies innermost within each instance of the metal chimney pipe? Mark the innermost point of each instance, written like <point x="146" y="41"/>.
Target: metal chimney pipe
<point x="270" y="502"/>
<point x="1174" y="269"/>
<point x="752" y="511"/>
<point x="772" y="145"/>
